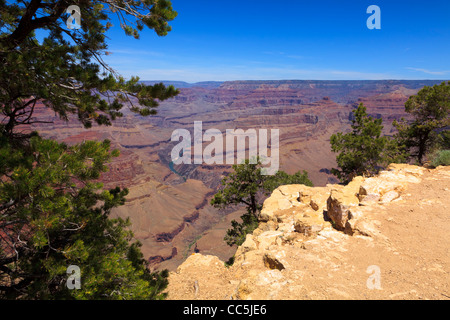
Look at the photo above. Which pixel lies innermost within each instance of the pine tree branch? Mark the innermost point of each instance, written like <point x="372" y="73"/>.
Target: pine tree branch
<point x="27" y="24"/>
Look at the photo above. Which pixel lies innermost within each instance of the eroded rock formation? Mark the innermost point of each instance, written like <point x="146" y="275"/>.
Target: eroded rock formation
<point x="171" y="203"/>
<point x="322" y="243"/>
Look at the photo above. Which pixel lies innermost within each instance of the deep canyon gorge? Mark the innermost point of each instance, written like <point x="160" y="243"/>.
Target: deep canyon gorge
<point x="169" y="205"/>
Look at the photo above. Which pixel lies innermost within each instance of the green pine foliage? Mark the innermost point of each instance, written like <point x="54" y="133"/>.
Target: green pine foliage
<point x="65" y="71"/>
<point x="364" y="151"/>
<point x="239" y="230"/>
<point x="53" y="211"/>
<point x="430" y="110"/>
<point x="246" y="185"/>
<point x="444" y="140"/>
<point x="282" y="178"/>
<point x="440" y="158"/>
<point x="54" y="214"/>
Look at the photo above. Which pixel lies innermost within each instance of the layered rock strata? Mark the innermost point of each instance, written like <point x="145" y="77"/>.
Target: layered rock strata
<point x="324" y="243"/>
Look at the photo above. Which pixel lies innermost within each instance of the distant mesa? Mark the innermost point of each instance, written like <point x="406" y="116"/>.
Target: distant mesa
<point x="182" y="84"/>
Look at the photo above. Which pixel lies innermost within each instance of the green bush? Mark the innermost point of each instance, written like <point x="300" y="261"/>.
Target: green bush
<point x="364" y="151"/>
<point x="441" y="158"/>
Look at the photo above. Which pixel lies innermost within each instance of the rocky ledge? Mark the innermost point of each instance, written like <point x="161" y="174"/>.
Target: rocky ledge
<point x="384" y="237"/>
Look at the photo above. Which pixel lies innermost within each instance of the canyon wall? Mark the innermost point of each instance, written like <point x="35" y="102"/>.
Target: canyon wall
<point x="169" y="204"/>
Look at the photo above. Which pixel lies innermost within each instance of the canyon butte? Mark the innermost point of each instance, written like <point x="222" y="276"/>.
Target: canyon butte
<point x="169" y="205"/>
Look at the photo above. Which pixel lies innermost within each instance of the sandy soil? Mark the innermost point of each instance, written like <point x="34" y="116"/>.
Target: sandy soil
<point x="406" y="257"/>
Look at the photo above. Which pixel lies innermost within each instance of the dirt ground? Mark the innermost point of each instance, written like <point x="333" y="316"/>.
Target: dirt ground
<point x="407" y="256"/>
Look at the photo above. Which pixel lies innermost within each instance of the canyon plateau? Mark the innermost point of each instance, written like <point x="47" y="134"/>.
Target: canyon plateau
<point x="168" y="204"/>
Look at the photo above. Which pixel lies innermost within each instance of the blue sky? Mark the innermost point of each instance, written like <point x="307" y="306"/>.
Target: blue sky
<point x="290" y="39"/>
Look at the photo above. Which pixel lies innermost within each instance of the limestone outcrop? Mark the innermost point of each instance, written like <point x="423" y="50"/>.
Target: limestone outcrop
<point x="317" y="243"/>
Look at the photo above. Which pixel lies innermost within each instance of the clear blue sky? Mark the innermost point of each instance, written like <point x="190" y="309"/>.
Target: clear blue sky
<point x="291" y="39"/>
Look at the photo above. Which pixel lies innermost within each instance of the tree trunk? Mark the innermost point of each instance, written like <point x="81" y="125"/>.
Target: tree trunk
<point x="254" y="206"/>
<point x="422" y="146"/>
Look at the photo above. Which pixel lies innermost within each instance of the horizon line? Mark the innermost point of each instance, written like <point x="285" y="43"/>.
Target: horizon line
<point x="280" y="80"/>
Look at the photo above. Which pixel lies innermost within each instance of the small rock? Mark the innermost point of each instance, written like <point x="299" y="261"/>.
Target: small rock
<point x="389" y="196"/>
<point x="308" y="226"/>
<point x="267" y="239"/>
<point x="369" y="199"/>
<point x="338" y="205"/>
<point x="248" y="245"/>
<point x="272" y="262"/>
